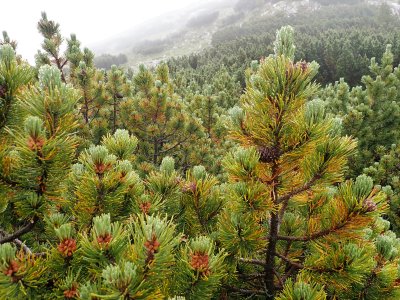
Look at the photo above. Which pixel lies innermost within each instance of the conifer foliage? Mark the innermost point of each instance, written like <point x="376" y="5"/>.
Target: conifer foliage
<point x="292" y="224"/>
<point x="102" y="195"/>
<point x="371" y="114"/>
<point x="158" y="117"/>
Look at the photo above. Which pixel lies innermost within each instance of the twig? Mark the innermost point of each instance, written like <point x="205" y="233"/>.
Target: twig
<point x="299" y="190"/>
<point x="247" y="292"/>
<point x="18" y="233"/>
<point x="311" y="236"/>
<point x="253" y="261"/>
<point x="297" y="265"/>
<point x="278" y="276"/>
<point x="23" y="246"/>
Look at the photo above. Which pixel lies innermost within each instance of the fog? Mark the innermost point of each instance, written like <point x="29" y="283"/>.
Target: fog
<point x="91" y="21"/>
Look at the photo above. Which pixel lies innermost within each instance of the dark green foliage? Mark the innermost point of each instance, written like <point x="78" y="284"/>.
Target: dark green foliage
<point x="158" y="117"/>
<point x="150" y="47"/>
<point x="13" y="76"/>
<point x="219" y="175"/>
<point x="341" y="38"/>
<point x="290" y="215"/>
<point x="367" y="111"/>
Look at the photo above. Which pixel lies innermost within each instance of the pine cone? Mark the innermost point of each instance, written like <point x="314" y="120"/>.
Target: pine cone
<point x="152" y="245"/>
<point x="199" y="261"/>
<point x="189" y="187"/>
<point x="12" y="269"/>
<point x="104" y="239"/>
<point x="268" y="154"/>
<point x="67" y="247"/>
<point x="35" y="143"/>
<point x="369" y="205"/>
<point x="100" y="168"/>
<point x="145" y="207"/>
<point x="72" y="292"/>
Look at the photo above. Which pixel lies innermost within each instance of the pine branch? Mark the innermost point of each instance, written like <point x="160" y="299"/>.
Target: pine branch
<point x="253" y="261"/>
<point x="28" y="227"/>
<point x="215" y="212"/>
<point x="7" y="180"/>
<point x="294" y="264"/>
<point x="23" y="246"/>
<point x="278" y="276"/>
<point x="299" y="190"/>
<point x="298" y="145"/>
<point x="246" y="292"/>
<point x="64" y="63"/>
<point x="58" y="63"/>
<point x="174" y="146"/>
<point x="198" y="214"/>
<point x="252" y="276"/>
<point x="18" y="242"/>
<point x="286" y="252"/>
<point x="312" y="236"/>
<point x="370" y="280"/>
<point x="289" y="273"/>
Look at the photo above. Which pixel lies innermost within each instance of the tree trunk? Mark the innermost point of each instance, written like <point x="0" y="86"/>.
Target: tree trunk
<point x="270" y="257"/>
<point x="155" y="155"/>
<point x="269" y="270"/>
<point x="114" y="114"/>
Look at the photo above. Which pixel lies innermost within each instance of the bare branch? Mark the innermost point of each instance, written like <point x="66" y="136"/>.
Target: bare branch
<point x="295" y="264"/>
<point x="278" y="276"/>
<point x="310" y="237"/>
<point x="253" y="261"/>
<point x="23" y="246"/>
<point x="246" y="292"/>
<point x="28" y="227"/>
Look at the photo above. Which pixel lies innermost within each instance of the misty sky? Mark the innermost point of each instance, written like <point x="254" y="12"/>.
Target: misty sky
<point x="90" y="20"/>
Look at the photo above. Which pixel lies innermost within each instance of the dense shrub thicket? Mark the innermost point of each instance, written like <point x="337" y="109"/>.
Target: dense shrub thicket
<point x="227" y="174"/>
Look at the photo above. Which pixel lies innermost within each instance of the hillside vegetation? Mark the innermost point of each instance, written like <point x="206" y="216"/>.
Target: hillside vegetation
<point x="264" y="165"/>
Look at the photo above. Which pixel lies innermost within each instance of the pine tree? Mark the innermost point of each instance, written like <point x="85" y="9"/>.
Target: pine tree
<point x="385" y="172"/>
<point x="292" y="228"/>
<point x="205" y="108"/>
<point x="92" y="105"/>
<point x="158" y="118"/>
<point x="117" y="87"/>
<point x="38" y="158"/>
<point x="102" y="232"/>
<point x="102" y="93"/>
<point x="6" y="40"/>
<point x="366" y="111"/>
<point x="14" y="76"/>
<point x="103" y="181"/>
<point x="210" y="149"/>
<point x="52" y="44"/>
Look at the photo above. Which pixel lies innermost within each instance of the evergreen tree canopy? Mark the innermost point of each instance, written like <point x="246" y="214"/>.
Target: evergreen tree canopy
<point x="292" y="224"/>
<point x="153" y="184"/>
